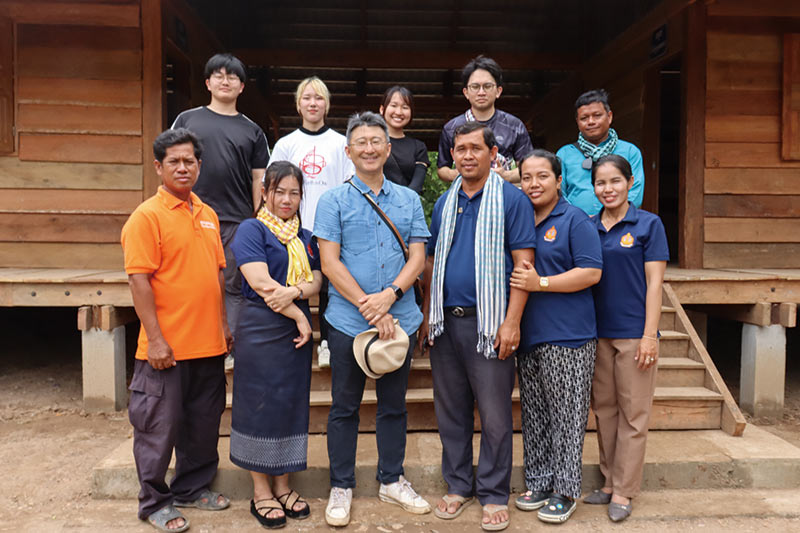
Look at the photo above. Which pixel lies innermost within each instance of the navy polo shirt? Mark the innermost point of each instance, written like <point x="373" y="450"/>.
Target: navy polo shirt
<point x="620" y="296"/>
<point x="459" y="277"/>
<point x="566" y="239"/>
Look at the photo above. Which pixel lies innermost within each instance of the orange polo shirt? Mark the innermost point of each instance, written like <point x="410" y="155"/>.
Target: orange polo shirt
<point x="182" y="251"/>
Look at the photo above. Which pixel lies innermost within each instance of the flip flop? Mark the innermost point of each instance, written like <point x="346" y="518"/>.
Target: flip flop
<point x="494" y="527"/>
<point x="162" y="517"/>
<point x="448" y="499"/>
<point x="207" y="501"/>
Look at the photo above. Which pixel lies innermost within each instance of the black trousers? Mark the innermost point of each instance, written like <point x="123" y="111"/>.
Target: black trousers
<point x="178" y="408"/>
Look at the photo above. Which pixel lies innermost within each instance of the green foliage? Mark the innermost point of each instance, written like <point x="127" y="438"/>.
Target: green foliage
<point x="434" y="187"/>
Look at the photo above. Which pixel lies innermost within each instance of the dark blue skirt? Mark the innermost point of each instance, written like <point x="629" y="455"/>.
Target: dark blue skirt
<point x="271" y="384"/>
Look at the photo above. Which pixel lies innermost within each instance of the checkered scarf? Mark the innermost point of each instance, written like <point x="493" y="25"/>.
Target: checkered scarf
<point x="597" y="151"/>
<point x="490" y="267"/>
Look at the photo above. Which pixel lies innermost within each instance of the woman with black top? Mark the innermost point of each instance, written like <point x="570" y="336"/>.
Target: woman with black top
<point x="408" y="161"/>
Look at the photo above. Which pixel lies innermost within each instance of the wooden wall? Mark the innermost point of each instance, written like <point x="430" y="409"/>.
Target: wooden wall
<point x="73" y="170"/>
<point x="751" y="195"/>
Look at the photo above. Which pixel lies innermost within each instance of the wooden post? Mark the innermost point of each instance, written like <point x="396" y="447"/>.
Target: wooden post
<point x="692" y="146"/>
<point x="763" y="370"/>
<point x="103" y="356"/>
<point x="153" y="107"/>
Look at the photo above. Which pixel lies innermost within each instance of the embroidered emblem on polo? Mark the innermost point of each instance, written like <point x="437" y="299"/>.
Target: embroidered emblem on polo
<point x="312" y="164"/>
<point x="207" y="224"/>
<point x="550" y="236"/>
<point x="626" y="241"/>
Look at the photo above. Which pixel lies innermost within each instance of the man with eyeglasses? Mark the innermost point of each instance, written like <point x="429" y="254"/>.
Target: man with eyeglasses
<point x="482" y="80"/>
<point x="235" y="156"/>
<point x="370" y="286"/>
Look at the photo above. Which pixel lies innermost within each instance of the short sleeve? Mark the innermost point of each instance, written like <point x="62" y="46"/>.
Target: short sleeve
<point x="520" y="219"/>
<point x="419" y="227"/>
<point x="436" y="220"/>
<point x="584" y="243"/>
<point x="327" y="223"/>
<point x="523" y="145"/>
<point x="220" y="249"/>
<point x="565" y="183"/>
<point x="312" y="249"/>
<point x="445" y="159"/>
<point x="636" y="194"/>
<point x="248" y="245"/>
<point x="141" y="243"/>
<point x="260" y="151"/>
<point x="279" y="151"/>
<point x="179" y="122"/>
<point x="656" y="247"/>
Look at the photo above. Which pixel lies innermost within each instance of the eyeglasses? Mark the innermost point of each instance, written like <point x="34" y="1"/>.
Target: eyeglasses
<point x="376" y="142"/>
<point x="219" y="76"/>
<point x="475" y="87"/>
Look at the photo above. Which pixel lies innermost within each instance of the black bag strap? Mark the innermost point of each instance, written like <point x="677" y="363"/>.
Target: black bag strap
<point x="384" y="217"/>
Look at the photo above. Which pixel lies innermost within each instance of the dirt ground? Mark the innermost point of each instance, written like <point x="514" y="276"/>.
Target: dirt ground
<point x="48" y="446"/>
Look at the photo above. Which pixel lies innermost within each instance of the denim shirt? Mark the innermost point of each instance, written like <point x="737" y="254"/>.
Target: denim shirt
<point x="369" y="249"/>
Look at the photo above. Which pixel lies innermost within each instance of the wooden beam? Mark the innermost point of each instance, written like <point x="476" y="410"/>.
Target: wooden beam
<point x="61" y="175"/>
<point x="692" y="142"/>
<point x="758" y="314"/>
<point x="71" y="13"/>
<point x="785" y="314"/>
<point x="433" y="59"/>
<point x="104" y="317"/>
<point x="7" y="132"/>
<point x="153" y="96"/>
<point x="736" y="292"/>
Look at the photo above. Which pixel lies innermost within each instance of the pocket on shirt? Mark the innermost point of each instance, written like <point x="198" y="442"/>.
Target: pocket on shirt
<point x="357" y="238"/>
<point x="146" y="388"/>
<point x="401" y="214"/>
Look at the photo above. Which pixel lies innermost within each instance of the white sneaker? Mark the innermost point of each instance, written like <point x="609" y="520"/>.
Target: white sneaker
<point x="323" y="354"/>
<point x="228" y="362"/>
<point x="338" y="511"/>
<point x="401" y="493"/>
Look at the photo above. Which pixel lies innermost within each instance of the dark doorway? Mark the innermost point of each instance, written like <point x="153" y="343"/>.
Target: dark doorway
<point x="668" y="148"/>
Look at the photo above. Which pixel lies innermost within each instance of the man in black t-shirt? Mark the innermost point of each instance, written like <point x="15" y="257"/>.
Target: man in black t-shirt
<point x="235" y="156"/>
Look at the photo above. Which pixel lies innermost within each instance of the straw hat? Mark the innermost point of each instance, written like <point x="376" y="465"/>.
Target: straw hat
<point x="377" y="357"/>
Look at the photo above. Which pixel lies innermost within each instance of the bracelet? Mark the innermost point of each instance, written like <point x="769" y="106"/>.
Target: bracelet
<point x="651" y="338"/>
<point x="300" y="291"/>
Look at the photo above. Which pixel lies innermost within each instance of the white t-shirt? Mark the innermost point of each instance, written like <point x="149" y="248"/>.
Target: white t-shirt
<point x="321" y="157"/>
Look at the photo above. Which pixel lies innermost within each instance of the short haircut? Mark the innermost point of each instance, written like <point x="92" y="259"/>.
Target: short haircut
<point x="555" y="161"/>
<point x="485" y="63"/>
<point x="171" y="138"/>
<point x="319" y="87"/>
<point x="590" y="97"/>
<point x="229" y="62"/>
<point x="468" y="127"/>
<point x="275" y="174"/>
<point x="365" y="118"/>
<point x="619" y="162"/>
<point x="405" y="94"/>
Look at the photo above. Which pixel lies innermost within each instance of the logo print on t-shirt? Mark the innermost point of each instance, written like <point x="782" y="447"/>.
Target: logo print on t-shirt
<point x="550" y="236"/>
<point x="626" y="241"/>
<point x="312" y="164"/>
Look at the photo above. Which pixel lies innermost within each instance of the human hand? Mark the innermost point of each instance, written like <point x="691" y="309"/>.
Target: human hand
<point x="278" y="298"/>
<point x="228" y="336"/>
<point x="374" y="306"/>
<point x="159" y="354"/>
<point x="646" y="353"/>
<point x="304" y="328"/>
<point x="423" y="342"/>
<point x="385" y="326"/>
<point x="507" y="339"/>
<point x="525" y="277"/>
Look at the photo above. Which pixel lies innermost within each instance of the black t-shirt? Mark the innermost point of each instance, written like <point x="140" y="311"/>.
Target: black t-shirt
<point x="233" y="145"/>
<point x="402" y="166"/>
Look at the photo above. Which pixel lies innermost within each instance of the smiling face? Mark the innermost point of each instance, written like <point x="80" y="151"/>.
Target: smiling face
<point x="539" y="182"/>
<point x="368" y="149"/>
<point x="472" y="157"/>
<point x="284" y="200"/>
<point x="312" y="107"/>
<point x="224" y="87"/>
<point x="611" y="186"/>
<point x="482" y="90"/>
<point x="594" y="121"/>
<point x="397" y="112"/>
<point x="179" y="170"/>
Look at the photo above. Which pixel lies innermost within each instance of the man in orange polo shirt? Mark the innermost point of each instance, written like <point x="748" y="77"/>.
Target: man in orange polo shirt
<point x="174" y="260"/>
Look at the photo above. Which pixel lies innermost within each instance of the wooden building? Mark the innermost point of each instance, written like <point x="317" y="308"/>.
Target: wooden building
<point x="709" y="89"/>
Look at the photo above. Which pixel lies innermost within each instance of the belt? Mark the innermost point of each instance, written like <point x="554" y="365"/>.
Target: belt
<point x="459" y="312"/>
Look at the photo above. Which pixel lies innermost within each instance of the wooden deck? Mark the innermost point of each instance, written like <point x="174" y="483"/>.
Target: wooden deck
<point x="734" y="286"/>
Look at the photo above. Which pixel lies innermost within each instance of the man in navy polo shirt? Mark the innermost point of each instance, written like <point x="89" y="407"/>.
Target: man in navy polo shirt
<point x="483" y="84"/>
<point x="483" y="225"/>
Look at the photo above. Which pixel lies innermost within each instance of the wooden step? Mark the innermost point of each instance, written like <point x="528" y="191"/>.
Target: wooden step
<point x="673" y="344"/>
<point x="667" y="321"/>
<point x="680" y="372"/>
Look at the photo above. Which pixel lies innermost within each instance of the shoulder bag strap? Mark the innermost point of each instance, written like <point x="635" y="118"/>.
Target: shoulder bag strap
<point x="384" y="217"/>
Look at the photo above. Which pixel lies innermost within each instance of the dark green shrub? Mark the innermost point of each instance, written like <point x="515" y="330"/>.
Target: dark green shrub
<point x="434" y="187"/>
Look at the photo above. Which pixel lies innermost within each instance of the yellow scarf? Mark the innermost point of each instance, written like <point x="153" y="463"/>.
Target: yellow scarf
<point x="286" y="232"/>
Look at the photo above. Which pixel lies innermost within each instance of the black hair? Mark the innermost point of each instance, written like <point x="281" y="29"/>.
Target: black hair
<point x="229" y="62"/>
<point x="468" y="127"/>
<point x="590" y="97"/>
<point x="366" y="118"/>
<point x="405" y="94"/>
<point x="170" y="138"/>
<point x="275" y="174"/>
<point x="619" y="162"/>
<point x="484" y="63"/>
<point x="555" y="161"/>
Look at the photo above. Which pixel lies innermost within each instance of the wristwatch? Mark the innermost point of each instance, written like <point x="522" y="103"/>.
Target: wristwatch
<point x="544" y="282"/>
<point x="299" y="296"/>
<point x="398" y="292"/>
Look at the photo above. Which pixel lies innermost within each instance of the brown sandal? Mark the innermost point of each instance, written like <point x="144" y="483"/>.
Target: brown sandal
<point x="288" y="502"/>
<point x="261" y="508"/>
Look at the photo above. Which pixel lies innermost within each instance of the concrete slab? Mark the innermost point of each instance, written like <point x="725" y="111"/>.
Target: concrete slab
<point x="705" y="459"/>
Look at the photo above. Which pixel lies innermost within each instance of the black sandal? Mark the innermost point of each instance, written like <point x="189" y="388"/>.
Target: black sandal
<point x="288" y="502"/>
<point x="260" y="512"/>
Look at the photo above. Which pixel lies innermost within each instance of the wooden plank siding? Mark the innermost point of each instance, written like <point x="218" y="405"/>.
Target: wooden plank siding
<point x="751" y="191"/>
<point x="75" y="171"/>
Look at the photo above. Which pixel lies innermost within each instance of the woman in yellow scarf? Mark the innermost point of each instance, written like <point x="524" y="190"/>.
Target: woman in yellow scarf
<point x="280" y="265"/>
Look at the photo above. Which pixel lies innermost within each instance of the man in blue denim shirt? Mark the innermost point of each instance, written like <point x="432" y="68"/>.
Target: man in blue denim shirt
<point x="371" y="286"/>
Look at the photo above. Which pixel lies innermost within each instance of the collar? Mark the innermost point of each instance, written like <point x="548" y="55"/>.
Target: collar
<point x="320" y="131"/>
<point x="172" y="201"/>
<point x="631" y="217"/>
<point x="559" y="209"/>
<point x="470" y="116"/>
<point x="386" y="188"/>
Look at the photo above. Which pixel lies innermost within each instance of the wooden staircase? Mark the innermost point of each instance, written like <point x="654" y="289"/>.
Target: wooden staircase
<point x="690" y="393"/>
